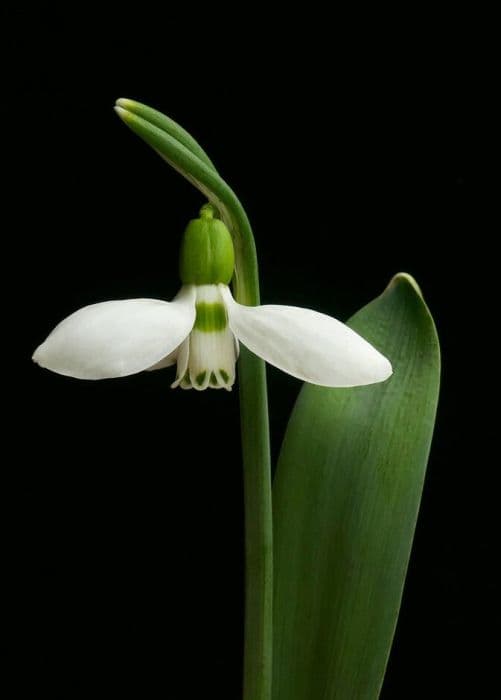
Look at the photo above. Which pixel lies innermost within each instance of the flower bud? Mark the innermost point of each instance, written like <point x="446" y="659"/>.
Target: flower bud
<point x="207" y="255"/>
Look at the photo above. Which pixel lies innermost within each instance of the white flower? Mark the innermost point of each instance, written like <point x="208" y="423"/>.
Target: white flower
<point x="200" y="330"/>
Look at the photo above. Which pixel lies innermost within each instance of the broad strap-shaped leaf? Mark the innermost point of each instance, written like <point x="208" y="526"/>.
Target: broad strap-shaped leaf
<point x="346" y="499"/>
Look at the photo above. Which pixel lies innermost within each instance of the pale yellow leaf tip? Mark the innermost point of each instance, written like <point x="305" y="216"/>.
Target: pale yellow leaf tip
<point x="406" y="279"/>
<point x="122" y="113"/>
<point x="125" y="103"/>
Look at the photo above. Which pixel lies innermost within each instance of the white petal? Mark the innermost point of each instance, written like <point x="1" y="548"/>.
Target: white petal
<point x="165" y="361"/>
<point x="118" y="338"/>
<point x="311" y="346"/>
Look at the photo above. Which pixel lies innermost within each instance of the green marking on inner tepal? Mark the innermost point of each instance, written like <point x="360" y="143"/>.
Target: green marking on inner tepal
<point x="211" y="317"/>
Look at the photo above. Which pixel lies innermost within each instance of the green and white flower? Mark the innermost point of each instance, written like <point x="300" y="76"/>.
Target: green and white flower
<point x="201" y="328"/>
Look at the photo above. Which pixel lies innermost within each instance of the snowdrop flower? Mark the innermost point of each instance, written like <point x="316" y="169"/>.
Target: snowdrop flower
<point x="201" y="328"/>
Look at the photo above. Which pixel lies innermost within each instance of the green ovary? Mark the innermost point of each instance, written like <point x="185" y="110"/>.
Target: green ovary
<point x="207" y="255"/>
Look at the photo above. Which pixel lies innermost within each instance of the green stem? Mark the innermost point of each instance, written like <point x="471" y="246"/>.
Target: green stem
<point x="257" y="493"/>
<point x="258" y="528"/>
<point x="258" y="643"/>
<point x="181" y="151"/>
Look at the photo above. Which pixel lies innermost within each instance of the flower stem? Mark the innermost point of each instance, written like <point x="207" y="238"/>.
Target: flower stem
<point x="179" y="149"/>
<point x="258" y="641"/>
<point x="258" y="528"/>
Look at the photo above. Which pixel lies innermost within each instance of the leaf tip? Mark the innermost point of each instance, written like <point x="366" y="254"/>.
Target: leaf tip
<point x="119" y="109"/>
<point x="122" y="113"/>
<point x="127" y="104"/>
<point x="403" y="278"/>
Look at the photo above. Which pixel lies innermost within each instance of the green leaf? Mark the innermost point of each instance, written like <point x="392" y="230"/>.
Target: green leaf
<point x="168" y="125"/>
<point x="346" y="498"/>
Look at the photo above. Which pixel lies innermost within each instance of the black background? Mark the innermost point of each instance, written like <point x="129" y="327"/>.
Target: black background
<point x="360" y="147"/>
